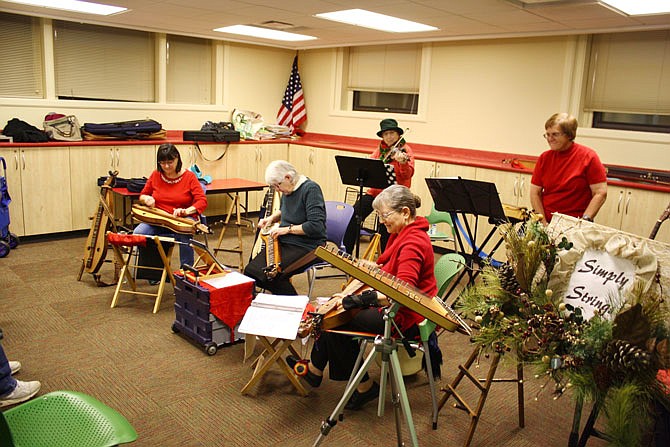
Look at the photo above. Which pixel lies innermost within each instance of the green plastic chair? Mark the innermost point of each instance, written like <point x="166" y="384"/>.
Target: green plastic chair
<point x="446" y="268"/>
<point x="64" y="418"/>
<point x="436" y="217"/>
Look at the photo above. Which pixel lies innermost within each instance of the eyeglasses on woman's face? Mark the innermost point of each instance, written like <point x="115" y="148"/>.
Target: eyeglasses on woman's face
<point x="167" y="162"/>
<point x="383" y="216"/>
<point x="548" y="135"/>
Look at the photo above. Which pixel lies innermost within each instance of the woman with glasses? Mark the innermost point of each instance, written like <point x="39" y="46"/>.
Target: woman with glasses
<point x="176" y="190"/>
<point x="299" y="226"/>
<point x="568" y="178"/>
<point x="409" y="257"/>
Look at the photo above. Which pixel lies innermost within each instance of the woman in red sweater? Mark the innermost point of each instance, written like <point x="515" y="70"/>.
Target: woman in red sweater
<point x="409" y="257"/>
<point x="175" y="190"/>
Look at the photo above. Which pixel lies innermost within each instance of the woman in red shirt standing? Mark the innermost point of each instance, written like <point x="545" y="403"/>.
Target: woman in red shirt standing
<point x="409" y="257"/>
<point x="569" y="178"/>
<point x="175" y="190"/>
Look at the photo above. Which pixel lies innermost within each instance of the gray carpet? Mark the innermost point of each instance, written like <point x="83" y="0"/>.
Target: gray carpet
<point x="66" y="336"/>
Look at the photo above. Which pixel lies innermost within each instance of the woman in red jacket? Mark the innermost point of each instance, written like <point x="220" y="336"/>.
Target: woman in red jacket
<point x="175" y="190"/>
<point x="409" y="257"/>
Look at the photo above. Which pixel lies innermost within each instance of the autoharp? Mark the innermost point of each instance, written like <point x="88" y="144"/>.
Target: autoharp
<point x="432" y="308"/>
<point x="156" y="216"/>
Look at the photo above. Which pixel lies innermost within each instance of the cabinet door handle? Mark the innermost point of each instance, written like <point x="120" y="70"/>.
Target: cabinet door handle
<point x="311" y="156"/>
<point x="16" y="160"/>
<point x="515" y="188"/>
<point x="618" y="204"/>
<point x="111" y="157"/>
<point x="628" y="199"/>
<point x="23" y="158"/>
<point x="522" y="187"/>
<point x="437" y="171"/>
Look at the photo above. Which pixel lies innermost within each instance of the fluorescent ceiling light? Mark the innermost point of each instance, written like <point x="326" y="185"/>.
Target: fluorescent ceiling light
<point x="367" y="19"/>
<point x="256" y="31"/>
<point x="74" y="5"/>
<point x="639" y="7"/>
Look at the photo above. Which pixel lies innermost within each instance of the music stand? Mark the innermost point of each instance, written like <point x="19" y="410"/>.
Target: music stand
<point x="456" y="195"/>
<point x="364" y="173"/>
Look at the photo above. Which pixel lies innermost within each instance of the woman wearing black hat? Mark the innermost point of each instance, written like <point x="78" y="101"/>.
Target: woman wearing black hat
<point x="394" y="151"/>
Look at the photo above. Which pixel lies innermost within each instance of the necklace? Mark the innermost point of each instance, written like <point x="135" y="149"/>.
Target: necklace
<point x="171" y="181"/>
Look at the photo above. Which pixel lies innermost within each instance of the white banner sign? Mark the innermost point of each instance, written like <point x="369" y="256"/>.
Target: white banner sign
<point x="598" y="282"/>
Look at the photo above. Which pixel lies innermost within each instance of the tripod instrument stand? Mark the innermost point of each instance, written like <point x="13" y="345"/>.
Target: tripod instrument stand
<point x="388" y="349"/>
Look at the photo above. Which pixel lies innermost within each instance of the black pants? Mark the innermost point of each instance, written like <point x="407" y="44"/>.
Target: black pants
<point x="339" y="351"/>
<point x="281" y="284"/>
<point x="352" y="232"/>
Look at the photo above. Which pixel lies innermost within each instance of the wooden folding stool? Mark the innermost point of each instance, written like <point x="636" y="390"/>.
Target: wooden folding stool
<point x="125" y="259"/>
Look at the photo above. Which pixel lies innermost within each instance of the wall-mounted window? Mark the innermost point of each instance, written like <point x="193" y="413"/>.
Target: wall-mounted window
<point x="189" y="70"/>
<point x="628" y="83"/>
<point x="384" y="78"/>
<point x="102" y="63"/>
<point x="20" y="57"/>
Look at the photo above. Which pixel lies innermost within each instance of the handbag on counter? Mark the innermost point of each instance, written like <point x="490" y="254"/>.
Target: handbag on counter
<point x="61" y="127"/>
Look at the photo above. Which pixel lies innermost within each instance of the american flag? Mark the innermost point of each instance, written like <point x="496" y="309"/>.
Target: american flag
<point x="292" y="112"/>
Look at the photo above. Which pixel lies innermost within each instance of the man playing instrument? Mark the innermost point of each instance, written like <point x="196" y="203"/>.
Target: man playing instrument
<point x="409" y="257"/>
<point x="302" y="227"/>
<point x="392" y="150"/>
<point x="174" y="190"/>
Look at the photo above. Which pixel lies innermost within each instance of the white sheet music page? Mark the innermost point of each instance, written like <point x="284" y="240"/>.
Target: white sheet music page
<point x="228" y="279"/>
<point x="275" y="316"/>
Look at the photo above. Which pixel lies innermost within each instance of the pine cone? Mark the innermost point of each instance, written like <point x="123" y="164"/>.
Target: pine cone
<point x="623" y="357"/>
<point x="508" y="280"/>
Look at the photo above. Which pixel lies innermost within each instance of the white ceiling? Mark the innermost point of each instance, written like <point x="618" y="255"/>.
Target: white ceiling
<point x="456" y="19"/>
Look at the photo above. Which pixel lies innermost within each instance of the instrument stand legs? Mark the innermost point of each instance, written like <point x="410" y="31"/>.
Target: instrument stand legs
<point x="388" y="349"/>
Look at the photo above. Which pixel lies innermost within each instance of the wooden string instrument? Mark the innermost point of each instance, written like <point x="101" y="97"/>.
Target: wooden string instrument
<point x="269" y="206"/>
<point x="272" y="254"/>
<point x="156" y="216"/>
<point x="657" y="226"/>
<point x="96" y="242"/>
<point x="432" y="308"/>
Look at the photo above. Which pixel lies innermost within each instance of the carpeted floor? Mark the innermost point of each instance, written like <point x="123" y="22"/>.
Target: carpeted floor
<point x="66" y="336"/>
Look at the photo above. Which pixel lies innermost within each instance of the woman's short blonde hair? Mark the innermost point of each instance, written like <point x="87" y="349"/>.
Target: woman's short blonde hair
<point x="278" y="169"/>
<point x="566" y="122"/>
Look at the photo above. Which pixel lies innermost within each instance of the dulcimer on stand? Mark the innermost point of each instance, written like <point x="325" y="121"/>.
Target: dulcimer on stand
<point x="156" y="216"/>
<point x="96" y="242"/>
<point x="432" y="308"/>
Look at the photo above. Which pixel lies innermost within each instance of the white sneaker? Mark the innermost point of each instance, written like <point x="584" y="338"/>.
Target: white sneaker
<point x="14" y="366"/>
<point x="22" y="392"/>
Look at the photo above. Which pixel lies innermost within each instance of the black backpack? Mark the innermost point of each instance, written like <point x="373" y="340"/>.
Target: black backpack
<point x="23" y="132"/>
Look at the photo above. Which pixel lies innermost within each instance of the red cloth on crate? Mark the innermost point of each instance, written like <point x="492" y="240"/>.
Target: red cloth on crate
<point x="229" y="304"/>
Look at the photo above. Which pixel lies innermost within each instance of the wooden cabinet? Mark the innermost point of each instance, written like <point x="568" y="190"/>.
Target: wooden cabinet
<point x="87" y="163"/>
<point x="39" y="181"/>
<point x="319" y="164"/>
<point x="13" y="162"/>
<point x="211" y="159"/>
<point x="248" y="161"/>
<point x="513" y="187"/>
<point x="635" y="211"/>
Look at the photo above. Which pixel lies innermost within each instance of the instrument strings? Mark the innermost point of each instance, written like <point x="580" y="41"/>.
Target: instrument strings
<point x="409" y="290"/>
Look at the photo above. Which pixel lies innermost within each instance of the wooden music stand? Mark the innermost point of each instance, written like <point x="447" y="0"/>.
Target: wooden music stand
<point x="275" y="321"/>
<point x="483" y="385"/>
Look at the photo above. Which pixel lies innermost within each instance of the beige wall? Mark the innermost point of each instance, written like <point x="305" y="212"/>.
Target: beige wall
<point x="486" y="94"/>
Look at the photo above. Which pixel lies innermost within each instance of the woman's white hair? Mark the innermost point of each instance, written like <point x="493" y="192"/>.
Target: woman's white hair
<point x="278" y="169"/>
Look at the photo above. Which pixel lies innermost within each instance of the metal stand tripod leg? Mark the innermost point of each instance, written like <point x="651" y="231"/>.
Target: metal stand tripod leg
<point x="387" y="347"/>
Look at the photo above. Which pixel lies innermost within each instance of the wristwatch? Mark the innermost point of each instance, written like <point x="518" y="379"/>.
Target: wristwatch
<point x="587" y="218"/>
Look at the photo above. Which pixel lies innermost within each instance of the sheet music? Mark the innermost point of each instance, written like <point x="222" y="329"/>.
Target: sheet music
<point x="275" y="316"/>
<point x="228" y="279"/>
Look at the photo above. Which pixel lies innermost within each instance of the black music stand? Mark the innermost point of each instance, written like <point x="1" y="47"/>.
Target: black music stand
<point x="456" y="195"/>
<point x="364" y="173"/>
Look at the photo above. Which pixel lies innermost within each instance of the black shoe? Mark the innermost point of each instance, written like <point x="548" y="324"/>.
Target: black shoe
<point x="309" y="377"/>
<point x="357" y="400"/>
